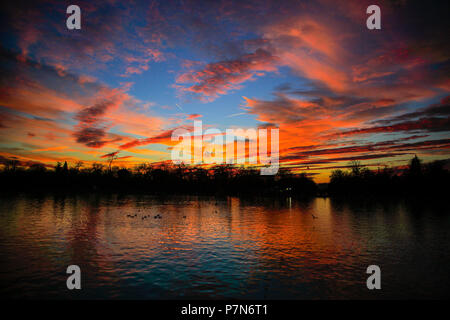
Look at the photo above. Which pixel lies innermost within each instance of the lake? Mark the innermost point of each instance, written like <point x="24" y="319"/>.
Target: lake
<point x="220" y="248"/>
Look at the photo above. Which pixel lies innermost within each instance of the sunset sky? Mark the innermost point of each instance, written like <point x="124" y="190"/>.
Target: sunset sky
<point x="137" y="70"/>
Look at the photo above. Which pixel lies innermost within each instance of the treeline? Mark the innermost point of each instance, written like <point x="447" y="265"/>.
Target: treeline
<point x="416" y="180"/>
<point x="158" y="179"/>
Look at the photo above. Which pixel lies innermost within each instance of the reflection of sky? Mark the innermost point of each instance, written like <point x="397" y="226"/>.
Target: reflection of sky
<point x="227" y="248"/>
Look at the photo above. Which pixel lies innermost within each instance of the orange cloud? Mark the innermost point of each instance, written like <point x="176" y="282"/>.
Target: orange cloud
<point x="220" y="77"/>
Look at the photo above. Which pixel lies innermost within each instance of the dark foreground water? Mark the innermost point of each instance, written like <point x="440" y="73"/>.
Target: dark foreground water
<point x="221" y="248"/>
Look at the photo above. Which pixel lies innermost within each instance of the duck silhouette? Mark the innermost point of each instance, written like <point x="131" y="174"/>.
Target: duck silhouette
<point x="314" y="217"/>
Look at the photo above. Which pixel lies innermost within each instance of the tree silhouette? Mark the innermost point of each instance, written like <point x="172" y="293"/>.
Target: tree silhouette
<point x="356" y="167"/>
<point x="65" y="168"/>
<point x="415" y="180"/>
<point x="415" y="166"/>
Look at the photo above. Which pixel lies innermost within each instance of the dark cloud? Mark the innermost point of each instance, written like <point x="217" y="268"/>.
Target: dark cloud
<point x="423" y="145"/>
<point x="91" y="130"/>
<point x="112" y="154"/>
<point x="165" y="137"/>
<point x="91" y="137"/>
<point x="13" y="161"/>
<point x="92" y="115"/>
<point x="373" y="148"/>
<point x="441" y="109"/>
<point x="350" y="158"/>
<point x="423" y="124"/>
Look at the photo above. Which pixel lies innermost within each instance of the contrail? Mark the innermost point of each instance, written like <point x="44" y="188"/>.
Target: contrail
<point x="236" y="114"/>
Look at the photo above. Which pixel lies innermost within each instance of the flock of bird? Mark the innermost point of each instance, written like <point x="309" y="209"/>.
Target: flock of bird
<point x="158" y="216"/>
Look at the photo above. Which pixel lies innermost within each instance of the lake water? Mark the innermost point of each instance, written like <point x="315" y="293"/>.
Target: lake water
<point x="214" y="248"/>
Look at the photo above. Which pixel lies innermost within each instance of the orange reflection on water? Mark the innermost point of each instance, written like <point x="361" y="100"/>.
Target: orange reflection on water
<point x="203" y="247"/>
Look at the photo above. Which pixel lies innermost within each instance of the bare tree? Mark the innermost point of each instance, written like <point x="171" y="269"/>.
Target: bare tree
<point x="97" y="167"/>
<point x="111" y="157"/>
<point x="12" y="164"/>
<point x="78" y="165"/>
<point x="356" y="167"/>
